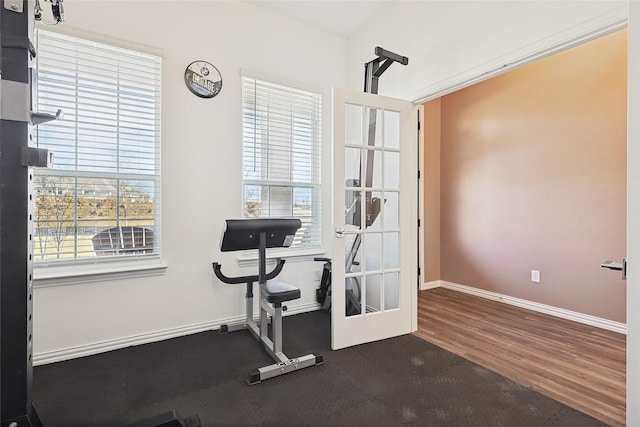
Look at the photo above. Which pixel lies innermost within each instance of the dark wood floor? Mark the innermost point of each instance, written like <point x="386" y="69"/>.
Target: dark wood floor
<point x="579" y="365"/>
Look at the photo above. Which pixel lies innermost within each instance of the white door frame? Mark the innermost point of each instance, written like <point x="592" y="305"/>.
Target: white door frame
<point x="421" y="200"/>
<point x="633" y="217"/>
<point x="558" y="44"/>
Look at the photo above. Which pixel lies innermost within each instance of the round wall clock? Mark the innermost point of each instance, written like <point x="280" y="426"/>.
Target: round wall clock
<point x="203" y="79"/>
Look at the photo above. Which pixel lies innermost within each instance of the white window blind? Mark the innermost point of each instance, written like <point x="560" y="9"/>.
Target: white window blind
<point x="281" y="148"/>
<point x="101" y="198"/>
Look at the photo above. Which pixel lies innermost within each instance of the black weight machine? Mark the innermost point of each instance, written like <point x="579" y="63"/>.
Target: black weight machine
<point x="260" y="234"/>
<point x="17" y="159"/>
<point x="353" y="203"/>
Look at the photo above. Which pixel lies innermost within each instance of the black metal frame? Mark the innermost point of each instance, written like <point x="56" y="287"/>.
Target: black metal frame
<point x="16" y="216"/>
<point x="17" y="202"/>
<point x="375" y="68"/>
<point x="373" y="71"/>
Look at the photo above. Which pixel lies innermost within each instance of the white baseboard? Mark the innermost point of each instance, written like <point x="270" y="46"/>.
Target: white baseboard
<point x="533" y="306"/>
<point x="432" y="284"/>
<point x="46" y="357"/>
<point x="118" y="343"/>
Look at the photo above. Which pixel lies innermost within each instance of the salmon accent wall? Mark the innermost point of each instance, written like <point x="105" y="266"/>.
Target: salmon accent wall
<point x="532" y="176"/>
<point x="432" y="190"/>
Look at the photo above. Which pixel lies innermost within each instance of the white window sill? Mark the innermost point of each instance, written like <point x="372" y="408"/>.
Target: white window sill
<point x="45" y="275"/>
<point x="250" y="258"/>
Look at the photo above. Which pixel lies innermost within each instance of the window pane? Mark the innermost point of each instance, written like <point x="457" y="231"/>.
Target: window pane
<point x="252" y="201"/>
<point x="54" y="219"/>
<point x="136" y="205"/>
<point x="303" y="202"/>
<point x="281" y="202"/>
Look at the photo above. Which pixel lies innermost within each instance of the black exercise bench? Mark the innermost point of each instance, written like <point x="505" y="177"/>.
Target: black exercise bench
<point x="263" y="233"/>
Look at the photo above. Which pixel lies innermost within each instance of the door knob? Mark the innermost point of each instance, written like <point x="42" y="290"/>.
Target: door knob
<point x="620" y="266"/>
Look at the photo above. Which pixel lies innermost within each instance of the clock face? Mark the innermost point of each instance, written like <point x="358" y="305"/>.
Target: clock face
<point x="203" y="79"/>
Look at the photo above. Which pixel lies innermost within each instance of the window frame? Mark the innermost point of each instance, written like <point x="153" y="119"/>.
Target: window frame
<point x="302" y="252"/>
<point x="94" y="268"/>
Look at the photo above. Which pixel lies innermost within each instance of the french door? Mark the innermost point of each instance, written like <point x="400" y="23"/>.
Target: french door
<point x="374" y="269"/>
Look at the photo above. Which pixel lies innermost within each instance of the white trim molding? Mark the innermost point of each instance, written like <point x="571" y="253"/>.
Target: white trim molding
<point x="119" y="343"/>
<point x="87" y="272"/>
<point x="531" y="305"/>
<point x="431" y="285"/>
<point x="250" y="258"/>
<point x="614" y="20"/>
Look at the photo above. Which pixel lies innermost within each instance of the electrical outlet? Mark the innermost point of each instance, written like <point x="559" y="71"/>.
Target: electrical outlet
<point x="535" y="276"/>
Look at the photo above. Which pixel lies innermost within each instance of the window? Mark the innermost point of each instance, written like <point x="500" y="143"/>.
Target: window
<point x="101" y="198"/>
<point x="281" y="144"/>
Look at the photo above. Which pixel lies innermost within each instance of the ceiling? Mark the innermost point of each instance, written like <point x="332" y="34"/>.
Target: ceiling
<point x="339" y="17"/>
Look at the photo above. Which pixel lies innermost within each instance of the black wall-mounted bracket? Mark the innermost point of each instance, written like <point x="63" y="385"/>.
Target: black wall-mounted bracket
<point x="374" y="68"/>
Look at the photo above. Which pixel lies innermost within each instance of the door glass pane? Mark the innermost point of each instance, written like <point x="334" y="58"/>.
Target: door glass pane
<point x="391" y="250"/>
<point x="353" y="124"/>
<point x="353" y="257"/>
<point x="352" y="214"/>
<point x="390" y="210"/>
<point x="374" y="127"/>
<point x="374" y="207"/>
<point x="373" y="297"/>
<point x="391" y="291"/>
<point x="352" y="179"/>
<point x="391" y="129"/>
<point x="352" y="167"/>
<point x="353" y="298"/>
<point x="373" y="251"/>
<point x="391" y="169"/>
<point x="374" y="169"/>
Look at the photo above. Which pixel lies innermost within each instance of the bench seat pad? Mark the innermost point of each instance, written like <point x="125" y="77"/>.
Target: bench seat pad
<point x="276" y="291"/>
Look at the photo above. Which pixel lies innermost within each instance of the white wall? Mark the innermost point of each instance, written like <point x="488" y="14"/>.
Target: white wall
<point x="201" y="166"/>
<point x="448" y="41"/>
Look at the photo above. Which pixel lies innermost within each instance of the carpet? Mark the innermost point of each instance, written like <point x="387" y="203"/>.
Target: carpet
<point x="395" y="382"/>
